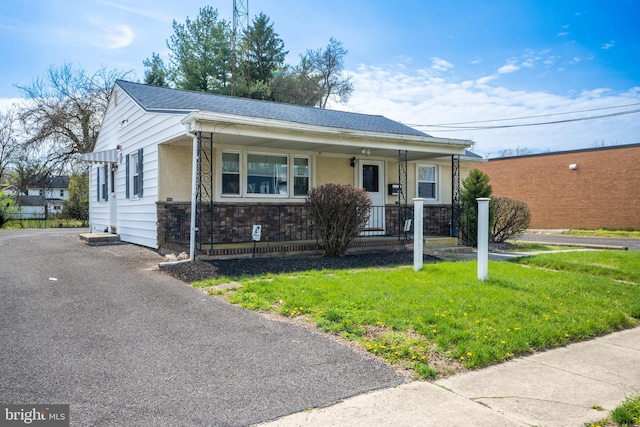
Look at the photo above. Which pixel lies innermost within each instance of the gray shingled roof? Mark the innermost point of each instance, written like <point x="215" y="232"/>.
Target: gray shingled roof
<point x="162" y="99"/>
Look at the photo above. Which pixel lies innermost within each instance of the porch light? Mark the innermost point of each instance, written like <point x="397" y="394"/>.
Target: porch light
<point x="366" y="151"/>
<point x="353" y="162"/>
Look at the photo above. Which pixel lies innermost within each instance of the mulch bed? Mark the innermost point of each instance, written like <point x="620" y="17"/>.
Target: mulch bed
<point x="200" y="270"/>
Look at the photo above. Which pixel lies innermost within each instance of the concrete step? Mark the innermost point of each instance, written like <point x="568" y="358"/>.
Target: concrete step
<point x="92" y="238"/>
<point x="440" y="242"/>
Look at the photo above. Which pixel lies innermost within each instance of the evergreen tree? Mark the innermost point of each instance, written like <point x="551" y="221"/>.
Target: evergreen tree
<point x="474" y="186"/>
<point x="155" y="73"/>
<point x="200" y="57"/>
<point x="264" y="52"/>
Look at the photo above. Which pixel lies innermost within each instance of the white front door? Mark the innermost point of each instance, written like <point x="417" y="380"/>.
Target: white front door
<point x="371" y="179"/>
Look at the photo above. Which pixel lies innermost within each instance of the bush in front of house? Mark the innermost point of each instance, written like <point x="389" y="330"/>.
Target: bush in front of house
<point x="338" y="214"/>
<point x="6" y="207"/>
<point x="474" y="186"/>
<point x="510" y="217"/>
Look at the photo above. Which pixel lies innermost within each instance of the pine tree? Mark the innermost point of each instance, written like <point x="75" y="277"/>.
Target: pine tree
<point x="476" y="185"/>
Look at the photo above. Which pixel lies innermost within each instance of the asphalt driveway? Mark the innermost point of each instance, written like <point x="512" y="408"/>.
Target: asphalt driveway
<point x="97" y="327"/>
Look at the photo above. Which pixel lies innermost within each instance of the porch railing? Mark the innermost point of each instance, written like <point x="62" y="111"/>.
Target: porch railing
<point x="233" y="223"/>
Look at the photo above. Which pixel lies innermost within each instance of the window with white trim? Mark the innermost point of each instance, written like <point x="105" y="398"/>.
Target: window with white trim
<point x="231" y="173"/>
<point x="134" y="179"/>
<point x="300" y="176"/>
<point x="427" y="182"/>
<point x="265" y="175"/>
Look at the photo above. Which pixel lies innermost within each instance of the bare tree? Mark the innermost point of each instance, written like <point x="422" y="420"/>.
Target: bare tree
<point x="510" y="217"/>
<point x="511" y="152"/>
<point x="328" y="65"/>
<point x="64" y="110"/>
<point x="9" y="146"/>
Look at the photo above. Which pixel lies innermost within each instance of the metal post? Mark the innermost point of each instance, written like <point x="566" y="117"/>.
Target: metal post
<point x="483" y="238"/>
<point x="418" y="238"/>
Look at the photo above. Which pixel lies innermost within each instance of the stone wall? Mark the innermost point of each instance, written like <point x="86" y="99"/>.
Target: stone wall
<point x="233" y="223"/>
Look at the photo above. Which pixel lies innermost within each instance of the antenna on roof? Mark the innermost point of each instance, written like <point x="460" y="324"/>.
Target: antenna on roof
<point x="240" y="24"/>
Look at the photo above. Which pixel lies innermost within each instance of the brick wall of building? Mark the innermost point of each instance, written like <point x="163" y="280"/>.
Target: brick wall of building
<point x="603" y="191"/>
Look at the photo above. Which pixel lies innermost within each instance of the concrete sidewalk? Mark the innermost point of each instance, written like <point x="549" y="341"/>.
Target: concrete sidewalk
<point x="568" y="386"/>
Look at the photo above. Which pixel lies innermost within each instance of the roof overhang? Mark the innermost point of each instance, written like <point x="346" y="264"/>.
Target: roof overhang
<point x="106" y="156"/>
<point x="278" y="134"/>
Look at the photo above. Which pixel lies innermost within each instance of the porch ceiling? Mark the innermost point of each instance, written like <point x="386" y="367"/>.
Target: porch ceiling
<point x="350" y="149"/>
<point x="354" y="149"/>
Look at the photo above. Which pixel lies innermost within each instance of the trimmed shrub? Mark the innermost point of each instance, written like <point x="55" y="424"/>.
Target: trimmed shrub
<point x="338" y="214"/>
<point x="510" y="217"/>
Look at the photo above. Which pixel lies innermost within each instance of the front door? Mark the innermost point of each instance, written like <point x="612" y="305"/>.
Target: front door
<point x="371" y="179"/>
<point x="113" y="203"/>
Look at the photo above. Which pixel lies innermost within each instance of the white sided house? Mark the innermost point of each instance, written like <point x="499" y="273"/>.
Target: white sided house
<point x="177" y="169"/>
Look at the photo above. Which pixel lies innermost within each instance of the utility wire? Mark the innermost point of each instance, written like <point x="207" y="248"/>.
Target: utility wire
<point x="528" y="117"/>
<point x="454" y="127"/>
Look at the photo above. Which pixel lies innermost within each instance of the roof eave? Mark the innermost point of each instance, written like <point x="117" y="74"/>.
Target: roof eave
<point x="198" y="120"/>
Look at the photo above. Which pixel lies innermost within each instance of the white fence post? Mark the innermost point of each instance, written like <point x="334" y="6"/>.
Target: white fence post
<point x="483" y="238"/>
<point x="418" y="237"/>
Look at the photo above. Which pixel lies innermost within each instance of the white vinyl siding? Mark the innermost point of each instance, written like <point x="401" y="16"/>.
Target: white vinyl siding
<point x="136" y="217"/>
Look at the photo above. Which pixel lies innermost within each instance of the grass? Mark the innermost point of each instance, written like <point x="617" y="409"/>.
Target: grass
<point x="604" y="232"/>
<point x="627" y="414"/>
<point x="537" y="247"/>
<point x="17" y="224"/>
<point x="444" y="313"/>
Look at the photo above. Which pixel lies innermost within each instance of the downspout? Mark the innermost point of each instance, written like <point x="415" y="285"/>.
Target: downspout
<point x="194" y="193"/>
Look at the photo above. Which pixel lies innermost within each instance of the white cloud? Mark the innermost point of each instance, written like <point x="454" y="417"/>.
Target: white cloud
<point x="114" y="36"/>
<point x="563" y="34"/>
<point x="439" y="64"/>
<point x="418" y="97"/>
<point x="509" y="68"/>
<point x="609" y="45"/>
<point x="486" y="79"/>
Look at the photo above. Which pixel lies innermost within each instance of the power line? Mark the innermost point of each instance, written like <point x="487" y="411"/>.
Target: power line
<point x="453" y="127"/>
<point x="529" y="117"/>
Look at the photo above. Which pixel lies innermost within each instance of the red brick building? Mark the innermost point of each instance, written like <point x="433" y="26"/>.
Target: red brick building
<point x="590" y="188"/>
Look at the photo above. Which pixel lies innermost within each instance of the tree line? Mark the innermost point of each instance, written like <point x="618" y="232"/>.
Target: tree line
<point x="202" y="58"/>
<point x="62" y="111"/>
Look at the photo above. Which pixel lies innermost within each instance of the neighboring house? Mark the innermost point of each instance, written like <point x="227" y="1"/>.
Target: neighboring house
<point x="10" y="190"/>
<point x="55" y="190"/>
<point x="29" y="207"/>
<point x="243" y="162"/>
<point x="588" y="188"/>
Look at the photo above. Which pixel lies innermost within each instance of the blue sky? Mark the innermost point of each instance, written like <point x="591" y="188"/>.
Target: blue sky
<point x="423" y="63"/>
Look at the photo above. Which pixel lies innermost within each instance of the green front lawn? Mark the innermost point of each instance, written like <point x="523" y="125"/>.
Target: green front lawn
<point x="604" y="232"/>
<point x="16" y="224"/>
<point x="443" y="319"/>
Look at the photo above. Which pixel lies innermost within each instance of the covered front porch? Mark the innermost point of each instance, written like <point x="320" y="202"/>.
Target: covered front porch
<point x="245" y="175"/>
<point x="226" y="228"/>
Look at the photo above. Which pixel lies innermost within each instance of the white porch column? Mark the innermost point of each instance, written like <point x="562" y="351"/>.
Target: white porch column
<point x="194" y="195"/>
<point x="418" y="237"/>
<point x="483" y="238"/>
